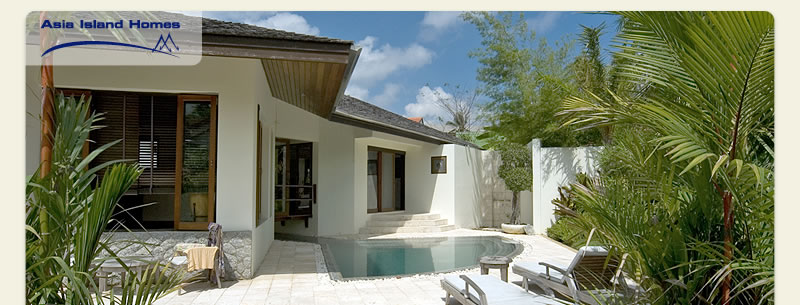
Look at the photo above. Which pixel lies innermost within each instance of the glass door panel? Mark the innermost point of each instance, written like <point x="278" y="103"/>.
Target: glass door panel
<point x="196" y="154"/>
<point x="387" y="182"/>
<point x="372" y="181"/>
<point x="281" y="151"/>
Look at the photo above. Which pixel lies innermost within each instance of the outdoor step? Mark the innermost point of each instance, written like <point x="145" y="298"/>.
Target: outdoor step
<point x="406" y="223"/>
<point x="405" y="217"/>
<point x="421" y="229"/>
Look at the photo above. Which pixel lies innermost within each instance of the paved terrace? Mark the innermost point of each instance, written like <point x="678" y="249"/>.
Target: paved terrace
<point x="295" y="273"/>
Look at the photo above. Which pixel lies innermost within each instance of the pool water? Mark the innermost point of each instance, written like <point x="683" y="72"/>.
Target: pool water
<point x="351" y="259"/>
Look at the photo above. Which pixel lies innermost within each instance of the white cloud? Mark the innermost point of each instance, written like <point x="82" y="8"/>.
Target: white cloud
<point x="288" y="22"/>
<point x="357" y="92"/>
<point x="436" y="23"/>
<point x="273" y="20"/>
<point x="376" y="63"/>
<point x="388" y="96"/>
<point x="384" y="99"/>
<point x="544" y="21"/>
<point x="426" y="105"/>
<point x="441" y="20"/>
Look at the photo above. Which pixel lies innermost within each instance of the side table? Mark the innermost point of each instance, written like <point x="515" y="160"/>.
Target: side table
<point x="495" y="262"/>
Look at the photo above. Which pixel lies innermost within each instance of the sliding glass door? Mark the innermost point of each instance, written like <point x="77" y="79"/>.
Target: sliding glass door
<point x="294" y="187"/>
<point x="385" y="180"/>
<point x="196" y="157"/>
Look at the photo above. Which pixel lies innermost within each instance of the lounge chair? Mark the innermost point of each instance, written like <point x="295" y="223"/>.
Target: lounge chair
<point x="489" y="290"/>
<point x="591" y="275"/>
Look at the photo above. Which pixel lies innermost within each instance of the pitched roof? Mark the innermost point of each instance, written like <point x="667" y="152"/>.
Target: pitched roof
<point x="219" y="27"/>
<point x="417" y="119"/>
<point x="390" y="122"/>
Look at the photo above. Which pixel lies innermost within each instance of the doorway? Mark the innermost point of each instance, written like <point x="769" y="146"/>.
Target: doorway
<point x="385" y="180"/>
<point x="294" y="187"/>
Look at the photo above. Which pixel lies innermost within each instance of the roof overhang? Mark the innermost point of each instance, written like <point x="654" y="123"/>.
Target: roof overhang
<point x="356" y="121"/>
<point x="306" y="74"/>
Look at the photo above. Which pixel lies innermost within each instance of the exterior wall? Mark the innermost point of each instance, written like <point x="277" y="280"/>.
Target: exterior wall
<point x="161" y="244"/>
<point x="468" y="166"/>
<point x="555" y="167"/>
<point x="264" y="232"/>
<point x="418" y="182"/>
<point x="496" y="206"/>
<point x="240" y="85"/>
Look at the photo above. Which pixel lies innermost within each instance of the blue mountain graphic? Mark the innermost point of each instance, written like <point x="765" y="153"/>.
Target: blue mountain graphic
<point x="162" y="43"/>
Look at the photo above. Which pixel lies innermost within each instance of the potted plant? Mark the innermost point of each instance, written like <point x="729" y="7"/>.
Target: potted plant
<point x="517" y="174"/>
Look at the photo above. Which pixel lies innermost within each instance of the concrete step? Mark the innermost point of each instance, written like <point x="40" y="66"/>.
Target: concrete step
<point x="406" y="223"/>
<point x="418" y="229"/>
<point x="405" y="217"/>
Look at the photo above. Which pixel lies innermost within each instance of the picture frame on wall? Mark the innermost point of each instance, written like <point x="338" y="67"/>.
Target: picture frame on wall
<point x="439" y="165"/>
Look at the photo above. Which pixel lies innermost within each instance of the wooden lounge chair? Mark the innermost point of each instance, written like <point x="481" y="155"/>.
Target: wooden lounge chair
<point x="591" y="275"/>
<point x="489" y="290"/>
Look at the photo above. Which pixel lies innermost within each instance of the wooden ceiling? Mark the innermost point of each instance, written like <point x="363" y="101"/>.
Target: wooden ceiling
<point x="310" y="75"/>
<point x="311" y="85"/>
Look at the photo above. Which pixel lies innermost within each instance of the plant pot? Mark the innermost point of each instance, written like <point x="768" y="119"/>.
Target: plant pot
<point x="512" y="228"/>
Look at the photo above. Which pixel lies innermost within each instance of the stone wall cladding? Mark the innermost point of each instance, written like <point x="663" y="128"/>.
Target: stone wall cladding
<point x="499" y="207"/>
<point x="161" y="244"/>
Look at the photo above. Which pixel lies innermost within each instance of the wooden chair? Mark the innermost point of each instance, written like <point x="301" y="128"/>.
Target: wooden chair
<point x="181" y="258"/>
<point x="591" y="275"/>
<point x="489" y="290"/>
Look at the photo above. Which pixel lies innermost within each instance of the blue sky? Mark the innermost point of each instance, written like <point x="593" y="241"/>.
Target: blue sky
<point x="407" y="56"/>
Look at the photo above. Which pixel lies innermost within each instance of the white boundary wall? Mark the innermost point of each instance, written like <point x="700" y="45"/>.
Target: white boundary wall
<point x="554" y="167"/>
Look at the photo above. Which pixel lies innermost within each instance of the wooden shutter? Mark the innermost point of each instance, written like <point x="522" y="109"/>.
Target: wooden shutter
<point x="120" y="121"/>
<point x="156" y="143"/>
<point x="139" y="119"/>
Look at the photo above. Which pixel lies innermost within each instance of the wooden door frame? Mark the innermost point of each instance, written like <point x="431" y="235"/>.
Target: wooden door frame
<point x="379" y="194"/>
<point x="212" y="156"/>
<point x="284" y="192"/>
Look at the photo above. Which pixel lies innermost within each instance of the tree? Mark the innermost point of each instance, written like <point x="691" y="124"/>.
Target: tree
<point x="516" y="171"/>
<point x="460" y="107"/>
<point x="697" y="151"/>
<point x="67" y="211"/>
<point x="525" y="80"/>
<point x="591" y="74"/>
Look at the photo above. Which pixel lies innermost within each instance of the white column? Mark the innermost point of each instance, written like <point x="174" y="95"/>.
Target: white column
<point x="539" y="214"/>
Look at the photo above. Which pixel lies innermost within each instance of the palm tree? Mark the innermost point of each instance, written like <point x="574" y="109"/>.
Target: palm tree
<point x="67" y="211"/>
<point x="709" y="105"/>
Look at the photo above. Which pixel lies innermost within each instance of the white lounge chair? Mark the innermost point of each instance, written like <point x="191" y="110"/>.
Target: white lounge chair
<point x="591" y="275"/>
<point x="489" y="290"/>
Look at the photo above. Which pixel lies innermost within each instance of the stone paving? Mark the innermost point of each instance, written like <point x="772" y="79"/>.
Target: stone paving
<point x="294" y="273"/>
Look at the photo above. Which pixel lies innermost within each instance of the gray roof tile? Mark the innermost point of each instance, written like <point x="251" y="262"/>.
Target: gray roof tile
<point x="357" y="108"/>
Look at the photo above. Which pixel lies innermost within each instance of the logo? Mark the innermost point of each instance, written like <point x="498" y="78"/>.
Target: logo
<point x="115" y="38"/>
<point x="161" y="44"/>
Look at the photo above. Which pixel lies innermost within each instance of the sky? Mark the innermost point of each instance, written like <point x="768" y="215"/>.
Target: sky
<point x="408" y="57"/>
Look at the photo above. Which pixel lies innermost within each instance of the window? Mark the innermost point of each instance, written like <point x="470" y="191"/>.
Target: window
<point x="171" y="144"/>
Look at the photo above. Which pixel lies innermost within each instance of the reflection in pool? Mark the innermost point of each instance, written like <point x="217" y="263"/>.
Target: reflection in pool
<point x="350" y="259"/>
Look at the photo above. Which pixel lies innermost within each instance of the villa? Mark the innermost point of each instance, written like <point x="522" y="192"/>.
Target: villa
<point x="260" y="138"/>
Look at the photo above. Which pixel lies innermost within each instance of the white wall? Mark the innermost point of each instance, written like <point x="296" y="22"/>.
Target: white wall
<point x="239" y="85"/>
<point x="555" y="167"/>
<point x="496" y="198"/>
<point x="468" y="187"/>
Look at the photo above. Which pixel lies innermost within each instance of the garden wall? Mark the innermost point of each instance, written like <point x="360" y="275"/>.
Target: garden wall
<point x="554" y="167"/>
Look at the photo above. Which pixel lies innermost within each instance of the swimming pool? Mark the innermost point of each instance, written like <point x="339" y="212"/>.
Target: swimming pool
<point x="358" y="259"/>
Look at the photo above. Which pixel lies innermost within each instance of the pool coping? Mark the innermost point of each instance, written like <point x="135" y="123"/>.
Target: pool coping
<point x="335" y="275"/>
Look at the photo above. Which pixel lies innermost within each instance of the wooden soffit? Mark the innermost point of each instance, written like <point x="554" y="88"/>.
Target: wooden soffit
<point x="312" y="76"/>
<point x="312" y="86"/>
